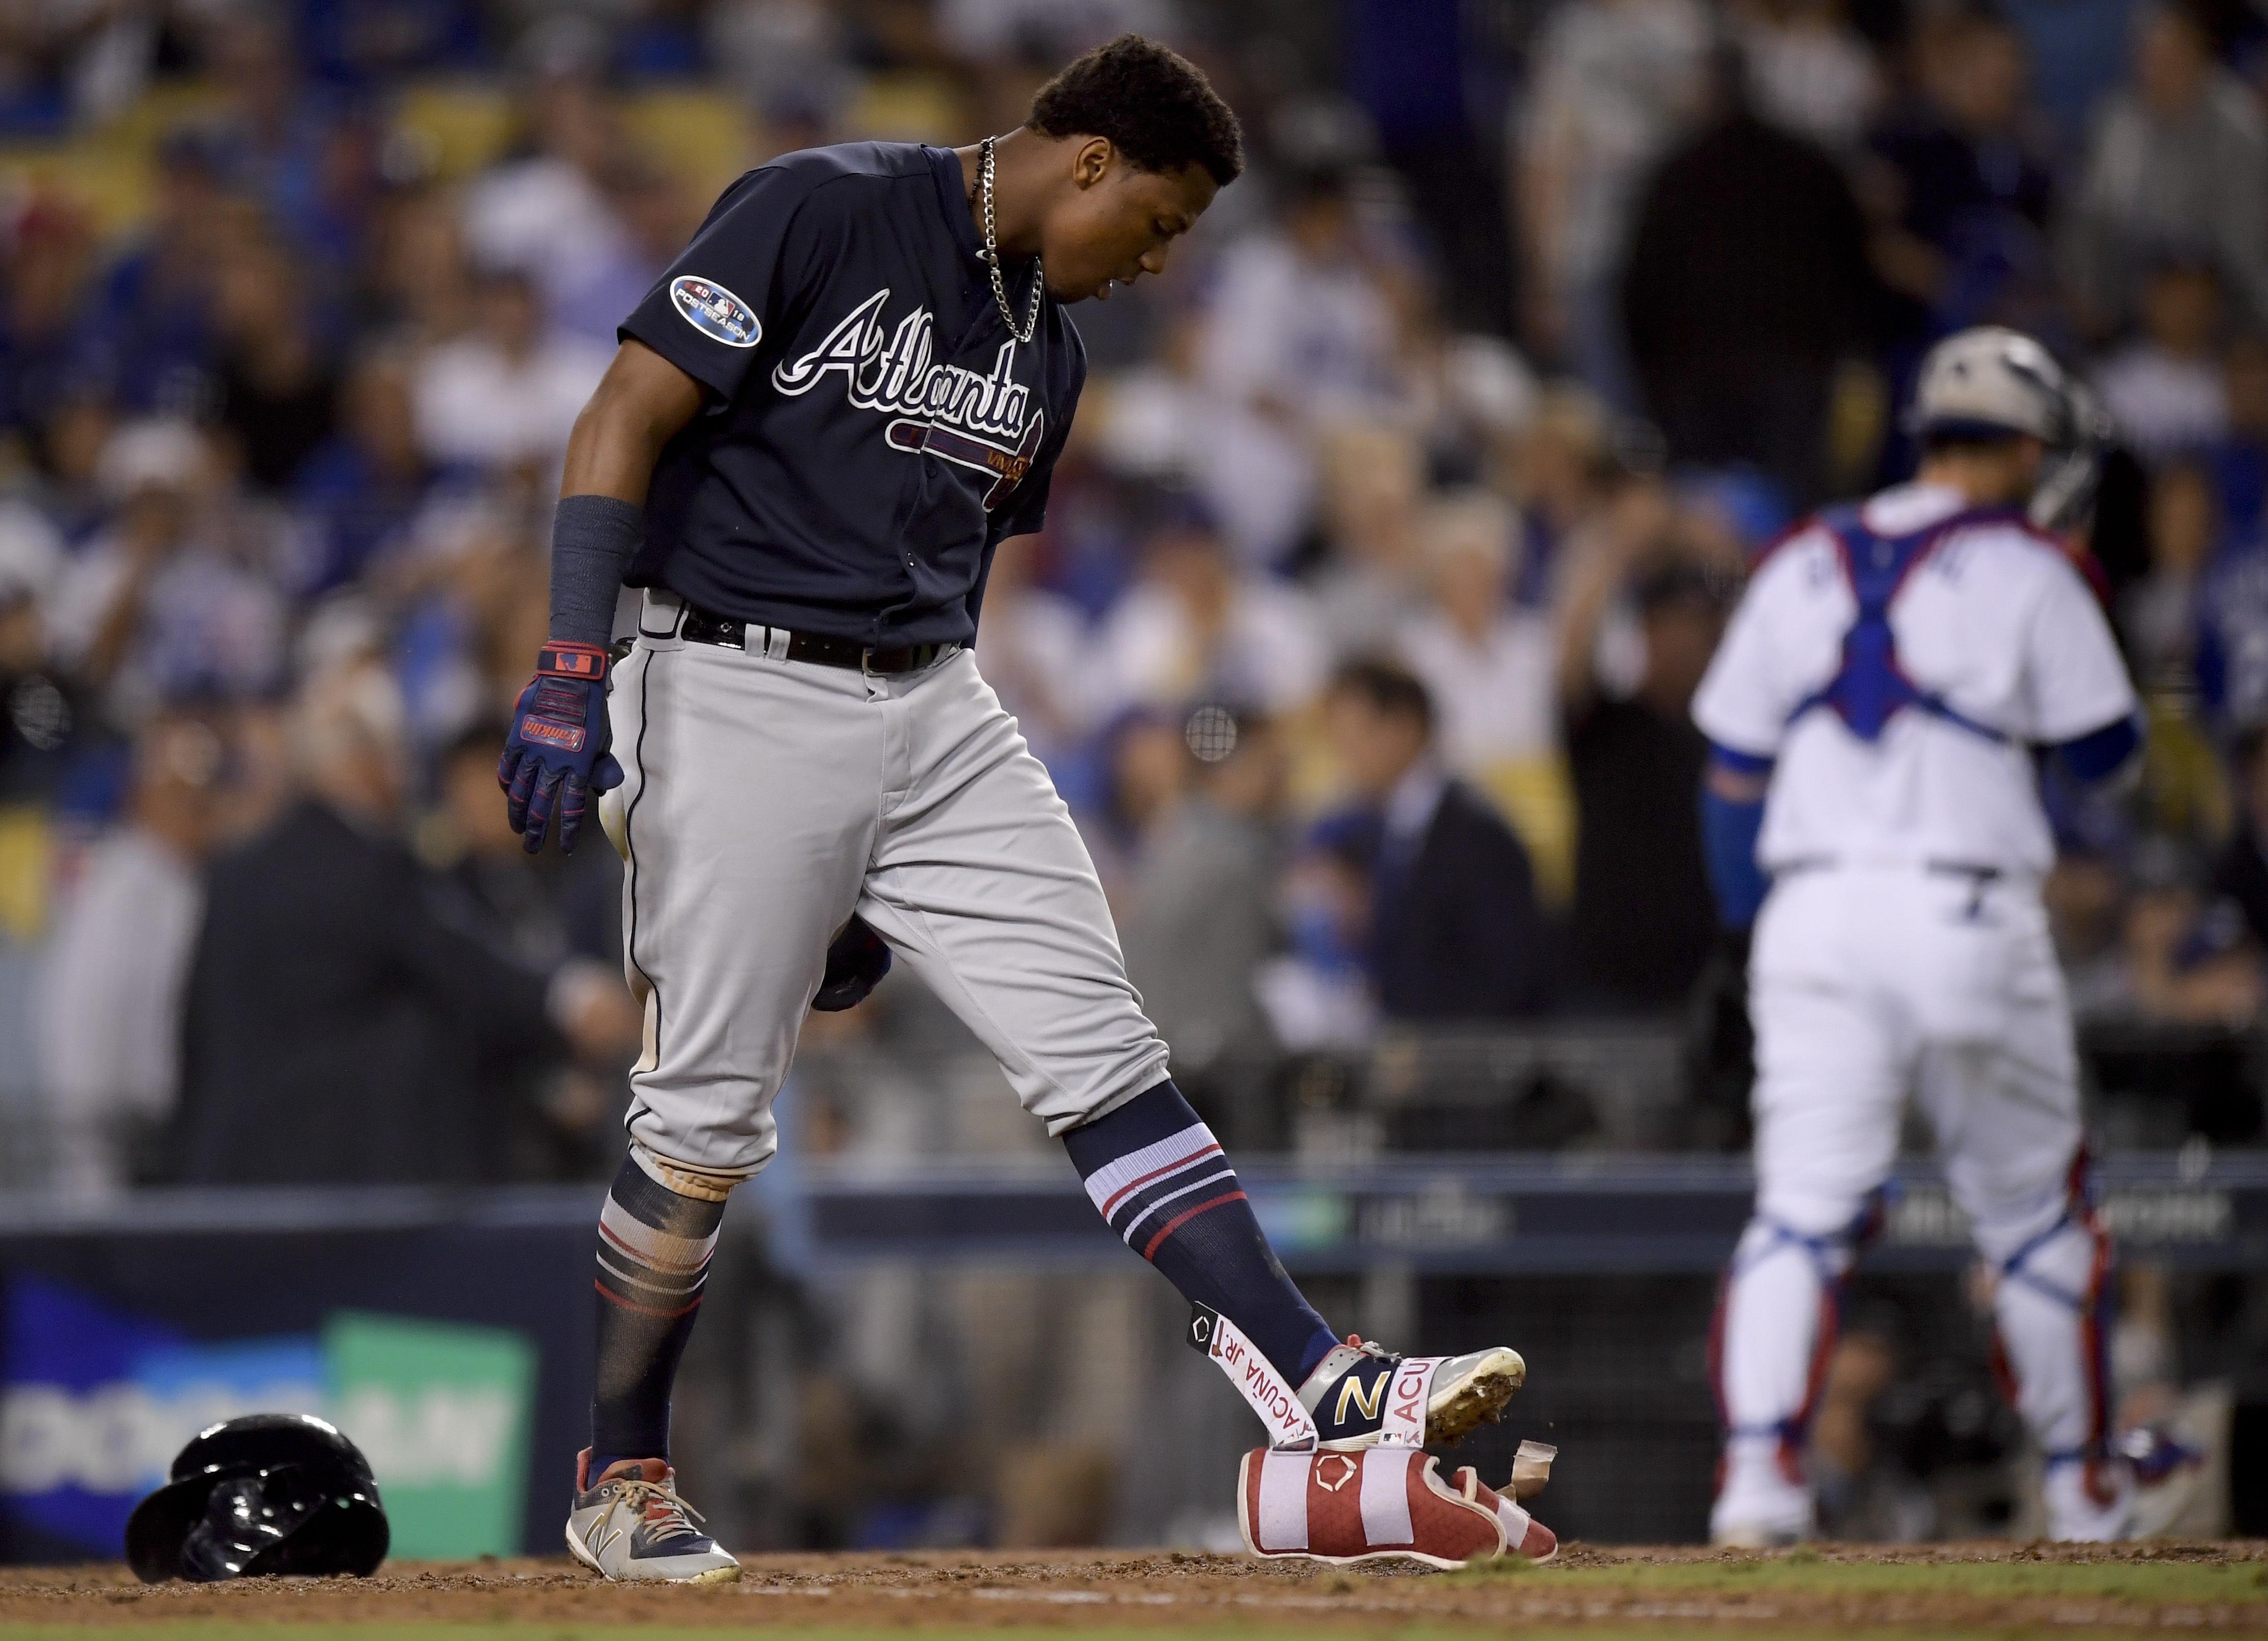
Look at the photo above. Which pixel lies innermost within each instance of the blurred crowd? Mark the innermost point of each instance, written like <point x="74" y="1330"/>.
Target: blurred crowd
<point x="1398" y="524"/>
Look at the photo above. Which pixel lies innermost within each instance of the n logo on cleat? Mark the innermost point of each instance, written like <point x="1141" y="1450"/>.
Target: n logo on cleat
<point x="1369" y="1401"/>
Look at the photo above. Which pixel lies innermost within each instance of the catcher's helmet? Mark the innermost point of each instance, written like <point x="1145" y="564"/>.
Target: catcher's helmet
<point x="1990" y="382"/>
<point x="268" y="1493"/>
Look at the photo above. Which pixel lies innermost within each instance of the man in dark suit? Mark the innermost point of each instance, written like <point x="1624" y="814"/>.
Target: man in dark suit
<point x="1454" y="930"/>
<point x="340" y="1026"/>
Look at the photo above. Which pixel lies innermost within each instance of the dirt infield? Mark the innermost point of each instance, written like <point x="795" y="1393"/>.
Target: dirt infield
<point x="1998" y="1590"/>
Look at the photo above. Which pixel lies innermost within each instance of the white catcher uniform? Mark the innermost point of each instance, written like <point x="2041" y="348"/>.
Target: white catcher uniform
<point x="1903" y="949"/>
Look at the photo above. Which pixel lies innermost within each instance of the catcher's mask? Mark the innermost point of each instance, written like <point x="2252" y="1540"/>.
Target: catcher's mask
<point x="267" y="1493"/>
<point x="1991" y="382"/>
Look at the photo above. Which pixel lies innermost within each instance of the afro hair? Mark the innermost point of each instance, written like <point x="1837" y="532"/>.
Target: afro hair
<point x="1155" y="105"/>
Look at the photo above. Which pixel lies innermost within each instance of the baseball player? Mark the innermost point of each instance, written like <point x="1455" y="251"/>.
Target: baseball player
<point x="821" y="421"/>
<point x="1875" y="708"/>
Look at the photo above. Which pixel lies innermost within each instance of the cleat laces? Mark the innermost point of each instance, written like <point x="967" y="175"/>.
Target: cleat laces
<point x="659" y="1510"/>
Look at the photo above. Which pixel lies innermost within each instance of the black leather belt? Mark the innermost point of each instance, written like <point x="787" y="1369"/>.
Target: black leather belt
<point x="1975" y="871"/>
<point x="699" y="626"/>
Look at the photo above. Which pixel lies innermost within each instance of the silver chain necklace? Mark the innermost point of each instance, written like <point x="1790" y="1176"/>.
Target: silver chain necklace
<point x="992" y="256"/>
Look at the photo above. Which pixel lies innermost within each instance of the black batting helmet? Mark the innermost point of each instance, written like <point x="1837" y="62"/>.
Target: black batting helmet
<point x="267" y="1493"/>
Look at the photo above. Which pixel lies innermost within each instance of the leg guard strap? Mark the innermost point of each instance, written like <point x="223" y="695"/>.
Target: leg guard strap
<point x="2015" y="1268"/>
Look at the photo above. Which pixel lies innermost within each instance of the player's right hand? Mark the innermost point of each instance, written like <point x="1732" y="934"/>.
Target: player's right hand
<point x="555" y="757"/>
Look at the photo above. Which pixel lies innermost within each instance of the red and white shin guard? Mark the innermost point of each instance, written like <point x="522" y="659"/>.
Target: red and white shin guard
<point x="1384" y="1503"/>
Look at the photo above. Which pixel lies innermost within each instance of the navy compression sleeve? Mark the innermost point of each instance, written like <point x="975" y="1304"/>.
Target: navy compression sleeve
<point x="1729" y="826"/>
<point x="2099" y="754"/>
<point x="593" y="540"/>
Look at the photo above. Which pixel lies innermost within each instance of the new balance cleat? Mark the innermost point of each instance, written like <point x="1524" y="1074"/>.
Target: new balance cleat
<point x="630" y="1524"/>
<point x="1347" y="1394"/>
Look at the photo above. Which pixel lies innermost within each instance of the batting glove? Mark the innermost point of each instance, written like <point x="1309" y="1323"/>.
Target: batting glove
<point x="555" y="757"/>
<point x="856" y="964"/>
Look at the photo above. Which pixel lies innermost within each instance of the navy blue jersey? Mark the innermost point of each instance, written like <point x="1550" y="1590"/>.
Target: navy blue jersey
<point x="871" y="429"/>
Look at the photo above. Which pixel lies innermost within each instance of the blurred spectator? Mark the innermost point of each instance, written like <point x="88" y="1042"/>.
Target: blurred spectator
<point x="359" y="494"/>
<point x="1642" y="920"/>
<point x="69" y="491"/>
<point x="278" y="390"/>
<point x="421" y="284"/>
<point x="2188" y="961"/>
<point x="356" y="42"/>
<point x="1963" y="182"/>
<point x="1748" y="284"/>
<point x="1146" y="770"/>
<point x="1454" y="933"/>
<point x="2077" y="50"/>
<point x="545" y="214"/>
<point x="1488" y="398"/>
<point x="2158" y="614"/>
<point x="340" y="1028"/>
<point x="784" y="56"/>
<point x="1812" y="74"/>
<point x="43" y="259"/>
<point x="157" y="609"/>
<point x="2178" y="167"/>
<point x="2164" y="388"/>
<point x="1047" y="31"/>
<point x="1613" y="83"/>
<point x="1557" y="475"/>
<point x="1489" y="664"/>
<point x="110" y="1005"/>
<point x="1196" y="625"/>
<point x="1201" y="915"/>
<point x="2241" y="463"/>
<point x="464" y="622"/>
<point x="38" y="711"/>
<point x="280" y="132"/>
<point x="1318" y="993"/>
<point x="507" y="393"/>
<point x="2085" y="894"/>
<point x="1033" y="650"/>
<point x="1299" y="334"/>
<point x="489" y="879"/>
<point x="657" y="219"/>
<point x="1415" y="66"/>
<point x="1374" y="579"/>
<point x="541" y="914"/>
<point x="2232" y="641"/>
<point x="146" y="343"/>
<point x="2240" y="872"/>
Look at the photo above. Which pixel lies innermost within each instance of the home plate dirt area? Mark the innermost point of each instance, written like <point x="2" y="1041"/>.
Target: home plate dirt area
<point x="1999" y="1590"/>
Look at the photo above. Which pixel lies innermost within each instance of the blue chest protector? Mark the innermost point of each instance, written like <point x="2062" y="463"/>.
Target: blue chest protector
<point x="1869" y="687"/>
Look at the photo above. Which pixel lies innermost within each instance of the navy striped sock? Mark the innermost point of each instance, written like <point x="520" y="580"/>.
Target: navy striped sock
<point x="1156" y="1174"/>
<point x="654" y="1246"/>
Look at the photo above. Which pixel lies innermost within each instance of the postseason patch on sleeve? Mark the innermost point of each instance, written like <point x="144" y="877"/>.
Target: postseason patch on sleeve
<point x="715" y="312"/>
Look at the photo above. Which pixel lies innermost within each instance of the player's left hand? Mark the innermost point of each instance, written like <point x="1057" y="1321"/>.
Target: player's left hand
<point x="555" y="757"/>
<point x="856" y="964"/>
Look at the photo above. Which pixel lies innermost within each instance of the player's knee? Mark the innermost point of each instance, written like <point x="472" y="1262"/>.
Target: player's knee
<point x="2009" y="1225"/>
<point x="705" y="1183"/>
<point x="1816" y="1215"/>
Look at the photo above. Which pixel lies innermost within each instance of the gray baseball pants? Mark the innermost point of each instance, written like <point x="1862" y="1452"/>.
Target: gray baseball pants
<point x="765" y="802"/>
